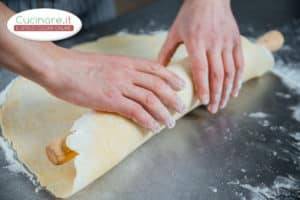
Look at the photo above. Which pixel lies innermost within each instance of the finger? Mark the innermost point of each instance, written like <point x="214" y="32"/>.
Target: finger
<point x="162" y="90"/>
<point x="200" y="76"/>
<point x="170" y="77"/>
<point x="229" y="72"/>
<point x="152" y="104"/>
<point x="132" y="110"/>
<point x="168" y="49"/>
<point x="239" y="67"/>
<point x="216" y="75"/>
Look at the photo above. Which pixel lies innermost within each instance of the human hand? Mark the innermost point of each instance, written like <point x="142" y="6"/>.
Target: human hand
<point x="138" y="89"/>
<point x="212" y="39"/>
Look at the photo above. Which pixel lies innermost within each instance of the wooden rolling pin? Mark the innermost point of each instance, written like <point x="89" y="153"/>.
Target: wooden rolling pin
<point x="59" y="153"/>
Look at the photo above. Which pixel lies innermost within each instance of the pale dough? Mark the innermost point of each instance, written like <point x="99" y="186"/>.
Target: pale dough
<point x="31" y="118"/>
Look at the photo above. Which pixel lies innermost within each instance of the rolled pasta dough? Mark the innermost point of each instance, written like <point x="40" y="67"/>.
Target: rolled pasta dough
<point x="31" y="117"/>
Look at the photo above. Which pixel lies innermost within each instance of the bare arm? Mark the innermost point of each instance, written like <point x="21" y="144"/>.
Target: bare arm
<point x="24" y="57"/>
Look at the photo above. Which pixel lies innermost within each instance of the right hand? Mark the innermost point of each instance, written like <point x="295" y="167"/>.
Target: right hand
<point x="212" y="39"/>
<point x="138" y="89"/>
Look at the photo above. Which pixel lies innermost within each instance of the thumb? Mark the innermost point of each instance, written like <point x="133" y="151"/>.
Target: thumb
<point x="168" y="49"/>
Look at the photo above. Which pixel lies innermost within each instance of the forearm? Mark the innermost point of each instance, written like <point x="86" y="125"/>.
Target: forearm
<point x="24" y="57"/>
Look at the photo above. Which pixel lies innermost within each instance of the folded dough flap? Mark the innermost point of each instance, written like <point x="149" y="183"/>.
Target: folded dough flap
<point x="31" y="118"/>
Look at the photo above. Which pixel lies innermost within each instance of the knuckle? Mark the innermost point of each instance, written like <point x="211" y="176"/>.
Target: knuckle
<point x="173" y="79"/>
<point x="213" y="49"/>
<point x="237" y="42"/>
<point x="201" y="70"/>
<point x="214" y="38"/>
<point x="135" y="112"/>
<point x="229" y="74"/>
<point x="217" y="76"/>
<point x="159" y="85"/>
<point x="215" y="43"/>
<point x="237" y="38"/>
<point x="170" y="75"/>
<point x="149" y="99"/>
<point x="192" y="45"/>
<point x="200" y="75"/>
<point x="152" y="67"/>
<point x="110" y="94"/>
<point x="228" y="81"/>
<point x="228" y="41"/>
<point x="130" y="112"/>
<point x="228" y="45"/>
<point x="191" y="32"/>
<point x="239" y="66"/>
<point x="142" y="117"/>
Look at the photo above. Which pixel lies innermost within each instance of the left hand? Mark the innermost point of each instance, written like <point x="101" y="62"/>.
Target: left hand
<point x="212" y="39"/>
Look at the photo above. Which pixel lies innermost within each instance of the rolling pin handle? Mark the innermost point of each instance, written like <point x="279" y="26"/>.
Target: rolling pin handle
<point x="272" y="40"/>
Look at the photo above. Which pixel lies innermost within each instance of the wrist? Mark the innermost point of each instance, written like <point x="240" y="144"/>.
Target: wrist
<point x="30" y="59"/>
<point x="41" y="63"/>
<point x="46" y="65"/>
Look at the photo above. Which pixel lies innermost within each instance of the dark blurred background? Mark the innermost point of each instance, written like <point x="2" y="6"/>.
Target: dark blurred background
<point x="265" y="12"/>
<point x="258" y="12"/>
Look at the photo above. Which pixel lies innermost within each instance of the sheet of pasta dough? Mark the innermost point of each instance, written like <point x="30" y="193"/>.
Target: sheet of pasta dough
<point x="31" y="117"/>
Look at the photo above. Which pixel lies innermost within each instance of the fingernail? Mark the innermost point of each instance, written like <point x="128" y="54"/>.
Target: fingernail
<point x="238" y="90"/>
<point x="155" y="127"/>
<point x="205" y="99"/>
<point x="218" y="96"/>
<point x="240" y="84"/>
<point x="170" y="123"/>
<point x="236" y="94"/>
<point x="213" y="108"/>
<point x="225" y="102"/>
<point x="180" y="105"/>
<point x="209" y="108"/>
<point x="222" y="106"/>
<point x="229" y="90"/>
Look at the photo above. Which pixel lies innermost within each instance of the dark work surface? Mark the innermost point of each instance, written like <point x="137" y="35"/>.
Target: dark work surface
<point x="230" y="155"/>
